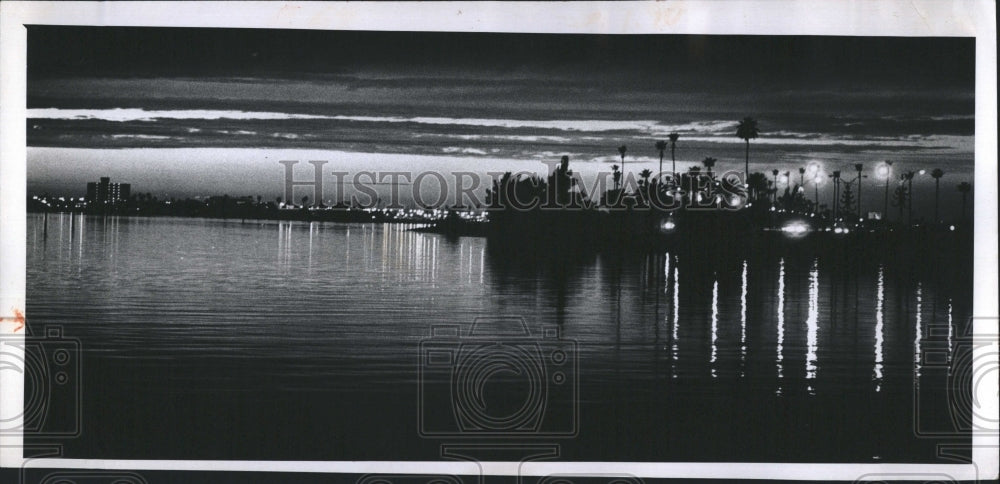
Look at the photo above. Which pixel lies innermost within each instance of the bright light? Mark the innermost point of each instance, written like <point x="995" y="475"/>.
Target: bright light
<point x="795" y="228"/>
<point x="668" y="225"/>
<point x="883" y="171"/>
<point x="812" y="169"/>
<point x="952" y="228"/>
<point x="838" y="230"/>
<point x="818" y="180"/>
<point x="923" y="172"/>
<point x="783" y="179"/>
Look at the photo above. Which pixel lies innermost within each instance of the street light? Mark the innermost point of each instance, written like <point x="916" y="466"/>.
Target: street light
<point x="812" y="170"/>
<point x="817" y="181"/>
<point x="859" y="167"/>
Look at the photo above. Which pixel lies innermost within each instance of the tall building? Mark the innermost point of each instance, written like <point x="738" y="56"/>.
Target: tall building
<point x="105" y="192"/>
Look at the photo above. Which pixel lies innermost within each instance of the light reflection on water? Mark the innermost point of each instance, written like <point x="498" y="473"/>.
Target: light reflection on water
<point x="148" y="281"/>
<point x="292" y="306"/>
<point x="880" y="328"/>
<point x="812" y="324"/>
<point x="781" y="321"/>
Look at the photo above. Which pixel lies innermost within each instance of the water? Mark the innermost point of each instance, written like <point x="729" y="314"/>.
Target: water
<point x="211" y="339"/>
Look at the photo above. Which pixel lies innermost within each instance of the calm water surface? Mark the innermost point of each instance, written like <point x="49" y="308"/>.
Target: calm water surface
<point x="210" y="339"/>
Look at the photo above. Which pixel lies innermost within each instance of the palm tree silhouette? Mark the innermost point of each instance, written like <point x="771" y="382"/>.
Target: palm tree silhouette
<point x="900" y="197"/>
<point x="673" y="152"/>
<point x="847" y="199"/>
<point x="757" y="182"/>
<point x="616" y="176"/>
<point x="621" y="150"/>
<point x="775" y="174"/>
<point x="964" y="188"/>
<point x="644" y="175"/>
<point x="937" y="174"/>
<point x="802" y="176"/>
<point x="836" y="193"/>
<point x="709" y="163"/>
<point x="747" y="130"/>
<point x="661" y="146"/>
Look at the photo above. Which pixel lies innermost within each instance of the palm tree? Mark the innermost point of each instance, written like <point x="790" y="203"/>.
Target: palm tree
<point x="661" y="146"/>
<point x="836" y="193"/>
<point x="964" y="188"/>
<point x="847" y="199"/>
<point x="802" y="176"/>
<point x="937" y="174"/>
<point x="900" y="198"/>
<point x="709" y="163"/>
<point x="616" y="175"/>
<point x="673" y="152"/>
<point x="774" y="173"/>
<point x="644" y="175"/>
<point x="621" y="150"/>
<point x="907" y="178"/>
<point x="747" y="130"/>
<point x="757" y="182"/>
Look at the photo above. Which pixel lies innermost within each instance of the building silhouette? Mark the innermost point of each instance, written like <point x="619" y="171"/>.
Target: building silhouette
<point x="106" y="193"/>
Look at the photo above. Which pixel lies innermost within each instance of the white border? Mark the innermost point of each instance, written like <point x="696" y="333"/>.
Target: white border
<point x="956" y="18"/>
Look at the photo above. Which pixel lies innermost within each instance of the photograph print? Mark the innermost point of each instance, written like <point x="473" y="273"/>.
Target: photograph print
<point x="317" y="245"/>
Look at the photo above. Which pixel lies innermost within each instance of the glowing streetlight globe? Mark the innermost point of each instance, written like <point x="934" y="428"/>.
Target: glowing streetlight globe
<point x="883" y="171"/>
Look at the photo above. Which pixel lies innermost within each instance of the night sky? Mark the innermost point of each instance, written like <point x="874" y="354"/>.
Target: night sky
<point x="183" y="99"/>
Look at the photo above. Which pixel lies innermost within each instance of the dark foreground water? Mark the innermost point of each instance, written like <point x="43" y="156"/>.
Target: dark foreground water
<point x="209" y="339"/>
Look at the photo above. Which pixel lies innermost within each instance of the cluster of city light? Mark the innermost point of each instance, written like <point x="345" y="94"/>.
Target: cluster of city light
<point x="59" y="201"/>
<point x="795" y="228"/>
<point x="426" y="214"/>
